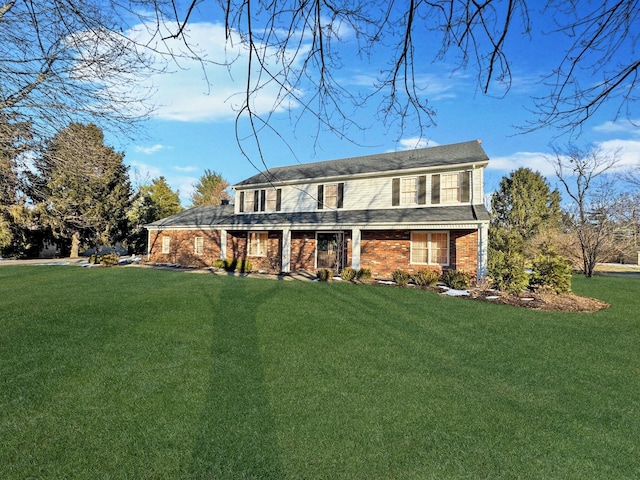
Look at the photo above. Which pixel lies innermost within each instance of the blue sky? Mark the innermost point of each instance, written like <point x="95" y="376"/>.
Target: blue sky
<point x="193" y="128"/>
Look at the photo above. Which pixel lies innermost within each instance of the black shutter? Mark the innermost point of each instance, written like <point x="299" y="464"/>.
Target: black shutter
<point x="255" y="200"/>
<point x="435" y="189"/>
<point x="263" y="200"/>
<point x="241" y="202"/>
<point x="465" y="187"/>
<point x="320" y="196"/>
<point x="422" y="190"/>
<point x="395" y="192"/>
<point x="340" y="194"/>
<point x="278" y="199"/>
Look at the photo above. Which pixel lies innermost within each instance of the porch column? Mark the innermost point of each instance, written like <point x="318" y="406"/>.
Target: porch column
<point x="483" y="240"/>
<point x="355" y="248"/>
<point x="223" y="244"/>
<point x="286" y="250"/>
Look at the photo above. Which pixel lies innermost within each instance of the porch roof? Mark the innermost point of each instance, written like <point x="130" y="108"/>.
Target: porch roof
<point x="224" y="217"/>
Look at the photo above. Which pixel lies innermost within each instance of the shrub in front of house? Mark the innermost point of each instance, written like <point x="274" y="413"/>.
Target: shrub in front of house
<point x="348" y="274"/>
<point x="219" y="263"/>
<point x="233" y="264"/>
<point x="325" y="275"/>
<point x="507" y="272"/>
<point x="456" y="279"/>
<point x="401" y="277"/>
<point x="551" y="272"/>
<point x="363" y="275"/>
<point x="109" y="259"/>
<point x="245" y="266"/>
<point x="426" y="277"/>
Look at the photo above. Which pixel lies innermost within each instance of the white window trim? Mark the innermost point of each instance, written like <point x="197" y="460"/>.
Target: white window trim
<point x="325" y="196"/>
<point x="429" y="233"/>
<point x="415" y="193"/>
<point x="249" y="201"/>
<point x="274" y="193"/>
<point x="459" y="188"/>
<point x="259" y="245"/>
<point x="198" y="249"/>
<point x="166" y="245"/>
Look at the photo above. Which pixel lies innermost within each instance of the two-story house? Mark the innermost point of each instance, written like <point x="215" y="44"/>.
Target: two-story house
<point x="402" y="210"/>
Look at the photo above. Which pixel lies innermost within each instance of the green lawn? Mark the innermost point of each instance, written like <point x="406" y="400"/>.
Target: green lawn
<point x="148" y="374"/>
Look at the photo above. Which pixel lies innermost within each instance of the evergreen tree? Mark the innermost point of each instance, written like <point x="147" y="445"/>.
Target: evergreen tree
<point x="523" y="207"/>
<point x="82" y="188"/>
<point x="211" y="189"/>
<point x="18" y="233"/>
<point x="153" y="202"/>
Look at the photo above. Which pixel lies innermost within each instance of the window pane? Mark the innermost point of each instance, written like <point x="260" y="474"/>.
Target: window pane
<point x="248" y="200"/>
<point x="449" y="188"/>
<point x="439" y="249"/>
<point x="272" y="197"/>
<point x="408" y="190"/>
<point x="331" y="195"/>
<point x="419" y="244"/>
<point x="258" y="244"/>
<point x="166" y="244"/>
<point x="199" y="245"/>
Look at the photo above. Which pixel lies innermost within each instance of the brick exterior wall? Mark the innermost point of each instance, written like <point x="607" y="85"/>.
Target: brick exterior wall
<point x="384" y="251"/>
<point x="464" y="250"/>
<point x="182" y="247"/>
<point x="303" y="250"/>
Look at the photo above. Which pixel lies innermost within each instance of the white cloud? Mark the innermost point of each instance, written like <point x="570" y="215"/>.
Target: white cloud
<point x="416" y="142"/>
<point x="624" y="126"/>
<point x="212" y="89"/>
<point x="434" y="87"/>
<point x="186" y="169"/>
<point x="150" y="150"/>
<point x="143" y="172"/>
<point x="627" y="150"/>
<point x="536" y="161"/>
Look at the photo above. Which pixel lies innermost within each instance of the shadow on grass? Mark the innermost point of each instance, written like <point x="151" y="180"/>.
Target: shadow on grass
<point x="237" y="436"/>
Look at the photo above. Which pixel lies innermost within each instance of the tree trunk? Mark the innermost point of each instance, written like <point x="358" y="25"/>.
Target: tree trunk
<point x="75" y="245"/>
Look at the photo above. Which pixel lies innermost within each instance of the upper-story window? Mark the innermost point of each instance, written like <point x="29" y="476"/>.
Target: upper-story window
<point x="249" y="201"/>
<point x="266" y="200"/>
<point x="450" y="187"/>
<point x="272" y="203"/>
<point x="330" y="195"/>
<point x="409" y="190"/>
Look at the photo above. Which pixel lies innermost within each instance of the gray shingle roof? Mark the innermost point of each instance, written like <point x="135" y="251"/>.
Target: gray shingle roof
<point x="441" y="156"/>
<point x="224" y="216"/>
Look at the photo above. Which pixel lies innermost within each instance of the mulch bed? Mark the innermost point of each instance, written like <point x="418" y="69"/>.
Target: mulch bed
<point x="564" y="302"/>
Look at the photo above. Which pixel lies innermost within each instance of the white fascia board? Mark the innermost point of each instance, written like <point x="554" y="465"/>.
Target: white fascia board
<point x="332" y="226"/>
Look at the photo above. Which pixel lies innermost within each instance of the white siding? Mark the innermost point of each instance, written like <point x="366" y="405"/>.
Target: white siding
<point x="361" y="194"/>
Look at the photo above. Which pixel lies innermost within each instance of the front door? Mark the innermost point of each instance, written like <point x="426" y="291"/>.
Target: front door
<point x="328" y="250"/>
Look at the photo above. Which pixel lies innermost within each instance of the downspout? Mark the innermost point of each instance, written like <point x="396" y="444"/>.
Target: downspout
<point x="471" y="191"/>
<point x="483" y="234"/>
